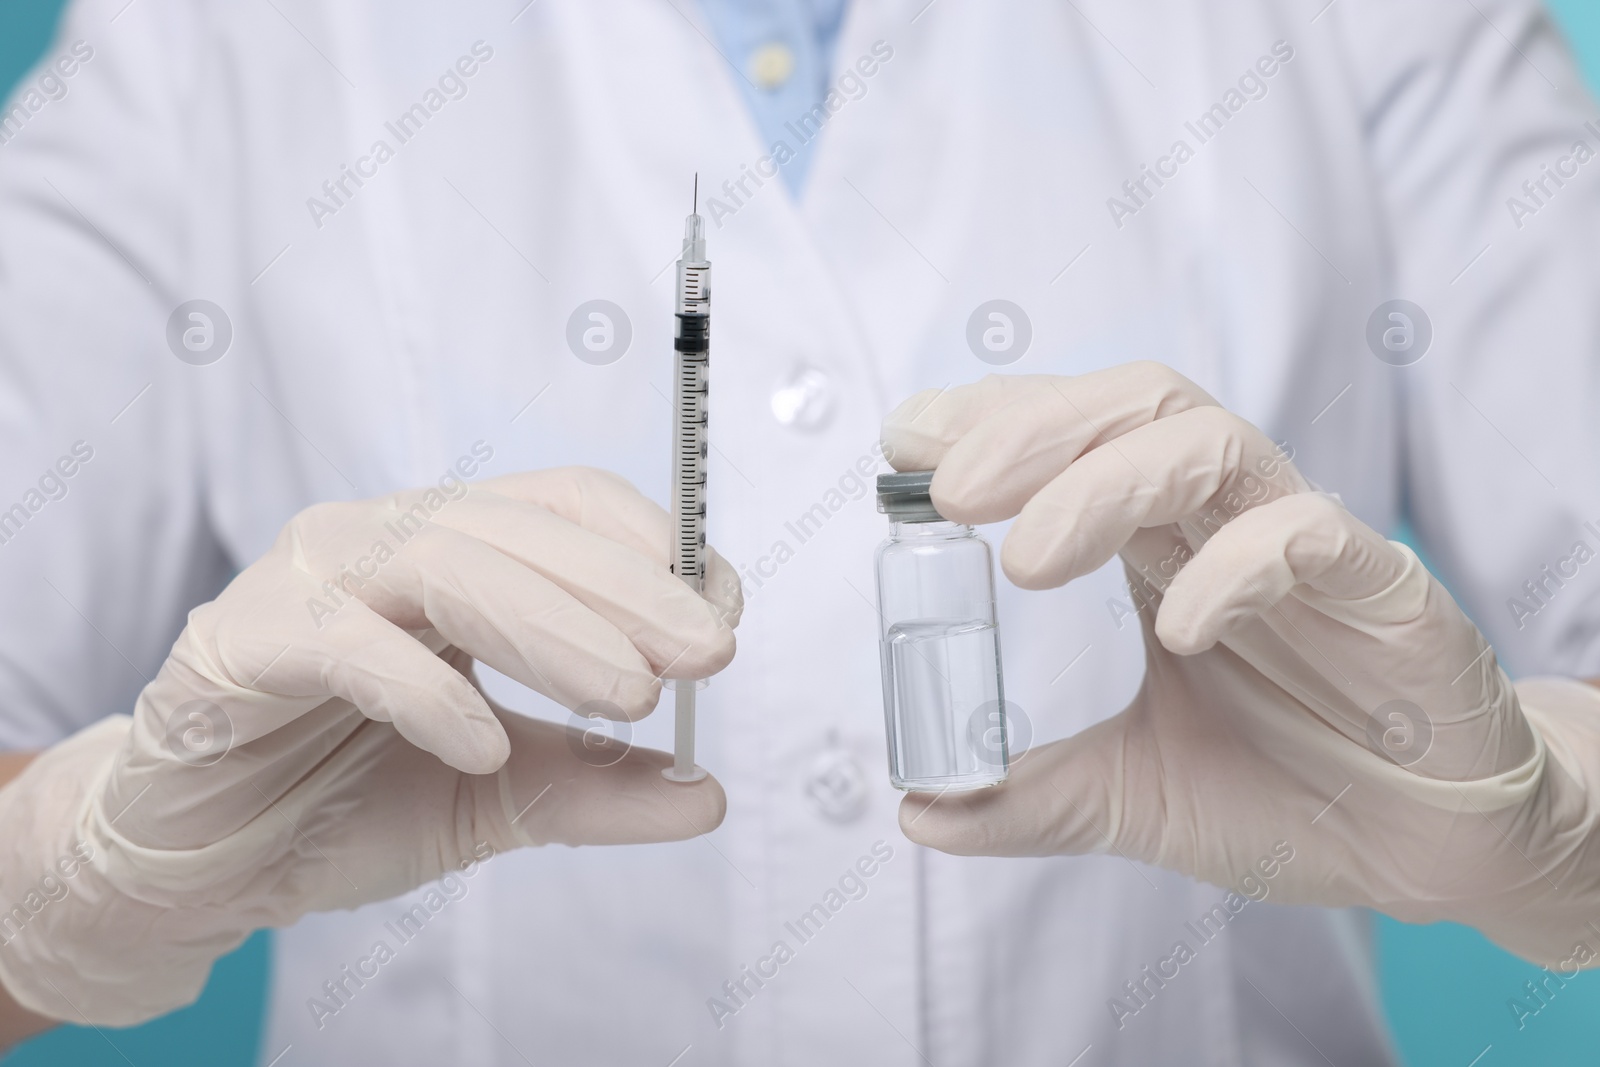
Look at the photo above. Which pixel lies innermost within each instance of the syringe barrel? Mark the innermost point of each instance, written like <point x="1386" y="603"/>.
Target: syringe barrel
<point x="694" y="287"/>
<point x="691" y="383"/>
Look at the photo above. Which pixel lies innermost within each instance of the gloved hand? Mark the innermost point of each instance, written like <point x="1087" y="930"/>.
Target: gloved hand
<point x="315" y="739"/>
<point x="1310" y="690"/>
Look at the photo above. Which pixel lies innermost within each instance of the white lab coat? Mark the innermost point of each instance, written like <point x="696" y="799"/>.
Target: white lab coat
<point x="430" y="308"/>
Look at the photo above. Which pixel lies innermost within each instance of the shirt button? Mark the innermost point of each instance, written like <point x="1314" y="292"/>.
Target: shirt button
<point x="804" y="399"/>
<point x="771" y="65"/>
<point x="837" y="786"/>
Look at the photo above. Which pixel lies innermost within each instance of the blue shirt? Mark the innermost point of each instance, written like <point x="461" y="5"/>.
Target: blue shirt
<point x="766" y="38"/>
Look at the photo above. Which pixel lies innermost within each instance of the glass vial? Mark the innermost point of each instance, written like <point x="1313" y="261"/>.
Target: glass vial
<point x="943" y="698"/>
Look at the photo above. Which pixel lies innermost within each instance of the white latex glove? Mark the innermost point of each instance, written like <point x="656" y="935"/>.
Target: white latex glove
<point x="363" y="760"/>
<point x="1265" y="723"/>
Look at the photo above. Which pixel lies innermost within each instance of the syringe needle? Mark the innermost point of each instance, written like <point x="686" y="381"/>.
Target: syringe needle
<point x="696" y="209"/>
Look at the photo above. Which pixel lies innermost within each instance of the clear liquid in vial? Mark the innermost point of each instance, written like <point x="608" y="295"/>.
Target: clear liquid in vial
<point x="945" y="706"/>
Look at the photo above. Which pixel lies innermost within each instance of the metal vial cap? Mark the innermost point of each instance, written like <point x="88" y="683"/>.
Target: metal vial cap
<point x="903" y="496"/>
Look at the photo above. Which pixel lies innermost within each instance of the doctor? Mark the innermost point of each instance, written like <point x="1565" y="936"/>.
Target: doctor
<point x="393" y="216"/>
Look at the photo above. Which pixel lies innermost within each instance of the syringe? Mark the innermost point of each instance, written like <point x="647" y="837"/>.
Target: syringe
<point x="690" y="381"/>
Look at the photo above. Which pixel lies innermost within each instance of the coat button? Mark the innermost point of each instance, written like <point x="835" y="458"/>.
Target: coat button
<point x="837" y="786"/>
<point x="772" y="65"/>
<point x="805" y="398"/>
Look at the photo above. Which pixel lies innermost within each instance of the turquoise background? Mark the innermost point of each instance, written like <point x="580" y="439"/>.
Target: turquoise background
<point x="1445" y="988"/>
